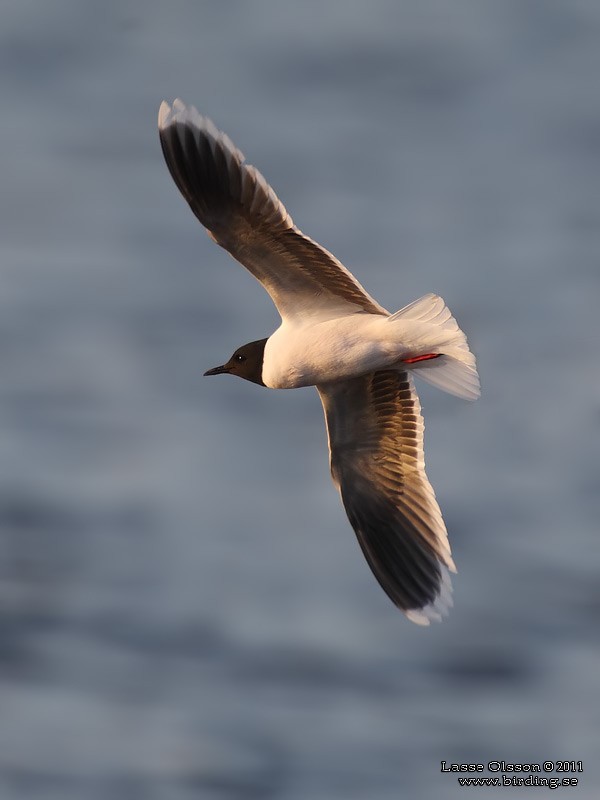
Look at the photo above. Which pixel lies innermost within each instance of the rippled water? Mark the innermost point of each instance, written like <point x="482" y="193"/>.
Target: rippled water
<point x="184" y="611"/>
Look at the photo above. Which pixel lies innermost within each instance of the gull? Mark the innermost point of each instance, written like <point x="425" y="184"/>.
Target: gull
<point x="336" y="337"/>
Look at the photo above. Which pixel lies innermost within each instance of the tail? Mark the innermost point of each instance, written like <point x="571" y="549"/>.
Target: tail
<point x="439" y="348"/>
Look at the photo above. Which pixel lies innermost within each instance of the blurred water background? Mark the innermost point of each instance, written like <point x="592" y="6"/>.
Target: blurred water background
<point x="184" y="610"/>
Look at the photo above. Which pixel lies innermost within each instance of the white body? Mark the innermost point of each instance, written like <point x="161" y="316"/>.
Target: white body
<point x="323" y="351"/>
<point x="332" y="350"/>
<point x="317" y="350"/>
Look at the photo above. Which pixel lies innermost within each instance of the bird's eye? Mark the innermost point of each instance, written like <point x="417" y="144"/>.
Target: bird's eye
<point x="240" y="358"/>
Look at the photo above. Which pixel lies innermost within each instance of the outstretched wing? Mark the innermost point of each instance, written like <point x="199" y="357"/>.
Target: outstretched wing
<point x="243" y="214"/>
<point x="375" y="433"/>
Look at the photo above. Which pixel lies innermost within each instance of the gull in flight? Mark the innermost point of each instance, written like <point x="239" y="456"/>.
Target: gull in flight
<point x="336" y="337"/>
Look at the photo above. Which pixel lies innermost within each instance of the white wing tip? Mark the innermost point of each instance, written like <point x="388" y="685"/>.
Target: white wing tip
<point x="436" y="611"/>
<point x="180" y="112"/>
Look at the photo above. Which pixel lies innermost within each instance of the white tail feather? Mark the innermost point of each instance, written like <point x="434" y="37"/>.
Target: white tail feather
<point x="431" y="329"/>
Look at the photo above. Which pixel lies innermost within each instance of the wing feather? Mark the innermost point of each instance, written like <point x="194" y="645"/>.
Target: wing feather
<point x="375" y="433"/>
<point x="243" y="214"/>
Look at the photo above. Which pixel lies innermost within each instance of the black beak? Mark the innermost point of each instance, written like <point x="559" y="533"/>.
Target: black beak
<point x="218" y="370"/>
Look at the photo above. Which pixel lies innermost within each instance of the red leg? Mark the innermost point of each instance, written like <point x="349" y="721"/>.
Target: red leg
<point x="425" y="357"/>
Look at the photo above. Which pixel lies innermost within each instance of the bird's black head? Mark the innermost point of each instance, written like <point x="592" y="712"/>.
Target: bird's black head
<point x="246" y="362"/>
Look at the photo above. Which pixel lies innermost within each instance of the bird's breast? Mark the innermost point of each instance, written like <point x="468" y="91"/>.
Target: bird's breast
<point x="312" y="354"/>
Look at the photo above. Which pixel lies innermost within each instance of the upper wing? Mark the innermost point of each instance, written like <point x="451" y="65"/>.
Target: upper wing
<point x="244" y="215"/>
<point x="375" y="432"/>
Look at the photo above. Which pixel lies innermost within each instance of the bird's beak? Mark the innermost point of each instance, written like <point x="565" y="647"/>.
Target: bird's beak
<point x="218" y="370"/>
